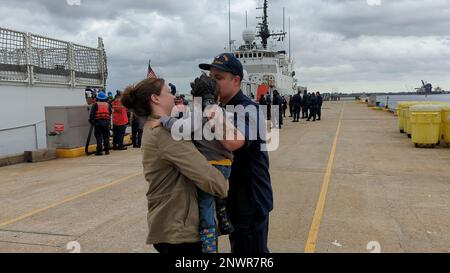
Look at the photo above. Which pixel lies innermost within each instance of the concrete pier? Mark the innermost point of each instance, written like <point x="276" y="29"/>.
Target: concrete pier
<point x="348" y="183"/>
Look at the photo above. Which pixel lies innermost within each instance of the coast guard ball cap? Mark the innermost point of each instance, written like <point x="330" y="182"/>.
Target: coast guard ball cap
<point x="226" y="62"/>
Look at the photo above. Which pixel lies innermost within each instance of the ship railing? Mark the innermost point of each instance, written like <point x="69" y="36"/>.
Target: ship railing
<point x="23" y="129"/>
<point x="31" y="59"/>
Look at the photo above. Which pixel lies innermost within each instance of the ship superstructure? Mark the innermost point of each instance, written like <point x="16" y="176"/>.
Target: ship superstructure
<point x="266" y="67"/>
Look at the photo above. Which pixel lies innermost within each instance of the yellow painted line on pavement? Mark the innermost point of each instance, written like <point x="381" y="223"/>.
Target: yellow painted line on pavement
<point x="72" y="198"/>
<point x="315" y="225"/>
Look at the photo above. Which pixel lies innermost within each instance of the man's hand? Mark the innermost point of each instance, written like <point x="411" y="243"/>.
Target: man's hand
<point x="224" y="130"/>
<point x="214" y="114"/>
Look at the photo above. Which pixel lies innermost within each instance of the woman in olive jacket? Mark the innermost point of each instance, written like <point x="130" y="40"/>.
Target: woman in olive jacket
<point x="173" y="170"/>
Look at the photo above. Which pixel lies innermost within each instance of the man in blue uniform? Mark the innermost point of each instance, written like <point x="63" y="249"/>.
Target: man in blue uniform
<point x="296" y="102"/>
<point x="100" y="117"/>
<point x="305" y="105"/>
<point x="319" y="105"/>
<point x="312" y="107"/>
<point x="277" y="104"/>
<point x="250" y="197"/>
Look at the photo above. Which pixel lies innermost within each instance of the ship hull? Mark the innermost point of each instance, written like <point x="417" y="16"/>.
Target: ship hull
<point x="22" y="125"/>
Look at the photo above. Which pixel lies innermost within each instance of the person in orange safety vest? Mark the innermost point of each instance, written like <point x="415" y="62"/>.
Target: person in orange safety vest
<point x="120" y="121"/>
<point x="100" y="118"/>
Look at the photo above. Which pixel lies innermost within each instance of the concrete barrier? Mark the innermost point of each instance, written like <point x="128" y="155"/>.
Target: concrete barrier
<point x="11" y="159"/>
<point x="40" y="155"/>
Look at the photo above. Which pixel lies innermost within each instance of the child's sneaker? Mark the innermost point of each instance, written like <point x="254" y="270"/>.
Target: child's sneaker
<point x="225" y="225"/>
<point x="208" y="237"/>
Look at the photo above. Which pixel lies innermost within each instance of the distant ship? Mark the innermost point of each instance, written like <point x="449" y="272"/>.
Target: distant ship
<point x="426" y="88"/>
<point x="265" y="69"/>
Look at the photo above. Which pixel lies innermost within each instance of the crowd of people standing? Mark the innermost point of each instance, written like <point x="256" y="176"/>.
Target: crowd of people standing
<point x="107" y="112"/>
<point x="308" y="105"/>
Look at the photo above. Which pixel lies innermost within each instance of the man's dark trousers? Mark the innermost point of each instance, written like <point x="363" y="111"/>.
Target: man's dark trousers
<point x="102" y="136"/>
<point x="296" y="113"/>
<point x="319" y="112"/>
<point x="250" y="236"/>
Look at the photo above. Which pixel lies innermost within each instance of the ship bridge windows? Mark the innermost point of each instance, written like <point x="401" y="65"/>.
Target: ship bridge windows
<point x="250" y="55"/>
<point x="269" y="54"/>
<point x="261" y="68"/>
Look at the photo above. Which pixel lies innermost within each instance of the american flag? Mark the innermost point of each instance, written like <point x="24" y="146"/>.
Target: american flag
<point x="150" y="73"/>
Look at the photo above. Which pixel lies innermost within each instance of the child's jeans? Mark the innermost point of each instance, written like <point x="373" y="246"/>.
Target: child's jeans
<point x="206" y="202"/>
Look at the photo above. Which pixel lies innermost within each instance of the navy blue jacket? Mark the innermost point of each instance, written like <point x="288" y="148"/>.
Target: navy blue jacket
<point x="313" y="102"/>
<point x="250" y="194"/>
<point x="305" y="100"/>
<point x="320" y="101"/>
<point x="297" y="101"/>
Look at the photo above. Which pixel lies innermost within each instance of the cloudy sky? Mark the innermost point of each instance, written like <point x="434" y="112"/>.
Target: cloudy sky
<point x="339" y="45"/>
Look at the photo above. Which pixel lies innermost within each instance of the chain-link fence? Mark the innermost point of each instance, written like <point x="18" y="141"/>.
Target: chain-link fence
<point x="33" y="59"/>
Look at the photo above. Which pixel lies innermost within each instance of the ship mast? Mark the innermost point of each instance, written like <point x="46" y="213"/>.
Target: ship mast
<point x="264" y="32"/>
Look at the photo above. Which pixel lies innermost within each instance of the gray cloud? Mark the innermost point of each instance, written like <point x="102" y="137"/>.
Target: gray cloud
<point x="345" y="44"/>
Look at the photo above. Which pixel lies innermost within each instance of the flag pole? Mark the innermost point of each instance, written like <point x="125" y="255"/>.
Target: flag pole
<point x="229" y="25"/>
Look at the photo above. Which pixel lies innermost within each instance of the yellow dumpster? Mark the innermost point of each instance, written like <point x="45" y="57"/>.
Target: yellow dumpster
<point x="446" y="123"/>
<point x="401" y="106"/>
<point x="407" y="116"/>
<point x="425" y="124"/>
<point x="441" y="104"/>
<point x="401" y="118"/>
